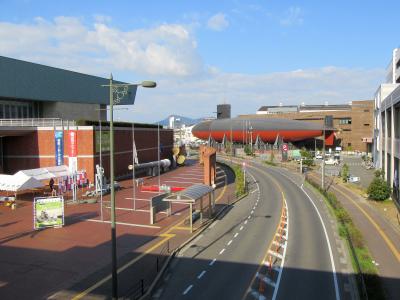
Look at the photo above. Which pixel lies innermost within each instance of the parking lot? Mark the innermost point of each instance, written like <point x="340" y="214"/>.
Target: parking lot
<point x="356" y="168"/>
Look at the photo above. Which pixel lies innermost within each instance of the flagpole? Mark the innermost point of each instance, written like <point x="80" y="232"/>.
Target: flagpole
<point x="133" y="166"/>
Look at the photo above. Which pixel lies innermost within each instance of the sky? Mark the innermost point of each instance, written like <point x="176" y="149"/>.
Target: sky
<point x="204" y="53"/>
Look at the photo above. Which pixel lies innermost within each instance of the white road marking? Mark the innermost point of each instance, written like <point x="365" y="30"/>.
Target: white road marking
<point x="122" y="223"/>
<point x="278" y="280"/>
<point x="276" y="254"/>
<point x="266" y="280"/>
<point x="236" y="234"/>
<point x="222" y="251"/>
<point x="248" y="217"/>
<point x="252" y="212"/>
<point x="187" y="289"/>
<point x="201" y="274"/>
<point x="212" y="262"/>
<point x="241" y="227"/>
<point x="230" y="242"/>
<point x="257" y="295"/>
<point x="335" y="281"/>
<point x="245" y="222"/>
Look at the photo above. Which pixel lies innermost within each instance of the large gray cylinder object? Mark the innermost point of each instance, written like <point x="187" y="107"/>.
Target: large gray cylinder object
<point x="223" y="111"/>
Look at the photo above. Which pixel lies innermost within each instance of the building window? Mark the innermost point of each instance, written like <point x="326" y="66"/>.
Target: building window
<point x="366" y="124"/>
<point x="366" y="110"/>
<point x="345" y="121"/>
<point x="348" y="144"/>
<point x="346" y="129"/>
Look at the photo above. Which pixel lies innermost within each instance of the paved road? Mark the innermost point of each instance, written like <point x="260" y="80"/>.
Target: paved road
<point x="223" y="262"/>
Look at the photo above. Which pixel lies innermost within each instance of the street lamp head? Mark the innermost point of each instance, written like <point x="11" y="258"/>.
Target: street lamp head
<point x="148" y="84"/>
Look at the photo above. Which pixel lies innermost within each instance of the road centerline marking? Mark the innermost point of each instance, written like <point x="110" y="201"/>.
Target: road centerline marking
<point x="201" y="274"/>
<point x="187" y="289"/>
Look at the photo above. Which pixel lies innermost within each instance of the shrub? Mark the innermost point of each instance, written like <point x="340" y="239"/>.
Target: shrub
<point x="379" y="189"/>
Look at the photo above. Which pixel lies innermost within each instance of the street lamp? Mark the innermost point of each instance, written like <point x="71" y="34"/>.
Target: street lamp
<point x="120" y="91"/>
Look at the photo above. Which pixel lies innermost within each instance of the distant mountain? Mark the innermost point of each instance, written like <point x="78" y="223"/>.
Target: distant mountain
<point x="183" y="120"/>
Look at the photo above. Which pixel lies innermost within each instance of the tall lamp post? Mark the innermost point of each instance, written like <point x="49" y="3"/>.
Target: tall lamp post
<point x="120" y="91"/>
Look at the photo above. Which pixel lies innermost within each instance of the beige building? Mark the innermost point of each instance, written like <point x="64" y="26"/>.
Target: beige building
<point x="353" y="122"/>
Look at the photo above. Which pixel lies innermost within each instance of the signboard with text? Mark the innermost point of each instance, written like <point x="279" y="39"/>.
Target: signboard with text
<point x="59" y="147"/>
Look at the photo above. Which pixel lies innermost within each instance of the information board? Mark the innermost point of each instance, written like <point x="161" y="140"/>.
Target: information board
<point x="48" y="212"/>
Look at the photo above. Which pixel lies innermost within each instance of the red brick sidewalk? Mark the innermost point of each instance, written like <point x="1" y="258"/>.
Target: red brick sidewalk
<point x="36" y="264"/>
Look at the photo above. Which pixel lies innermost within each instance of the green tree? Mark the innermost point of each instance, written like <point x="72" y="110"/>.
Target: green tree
<point x="379" y="189"/>
<point x="247" y="150"/>
<point x="345" y="172"/>
<point x="307" y="157"/>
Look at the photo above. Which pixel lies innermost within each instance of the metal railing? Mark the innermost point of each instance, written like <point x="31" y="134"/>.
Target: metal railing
<point x="32" y="122"/>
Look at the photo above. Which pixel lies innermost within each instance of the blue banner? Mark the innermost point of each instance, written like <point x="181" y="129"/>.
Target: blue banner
<point x="59" y="143"/>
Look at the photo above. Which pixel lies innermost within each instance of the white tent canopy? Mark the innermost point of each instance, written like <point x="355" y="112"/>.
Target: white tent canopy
<point x="47" y="173"/>
<point x="31" y="179"/>
<point x="18" y="182"/>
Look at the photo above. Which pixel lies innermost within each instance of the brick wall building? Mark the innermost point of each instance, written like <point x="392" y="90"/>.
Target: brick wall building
<point x="37" y="148"/>
<point x="353" y="122"/>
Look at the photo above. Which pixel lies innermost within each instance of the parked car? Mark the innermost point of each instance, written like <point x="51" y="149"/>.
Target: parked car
<point x="353" y="179"/>
<point x="318" y="156"/>
<point x="331" y="162"/>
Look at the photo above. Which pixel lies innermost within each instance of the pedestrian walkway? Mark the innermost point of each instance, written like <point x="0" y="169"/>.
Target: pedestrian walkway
<point x="75" y="259"/>
<point x="382" y="239"/>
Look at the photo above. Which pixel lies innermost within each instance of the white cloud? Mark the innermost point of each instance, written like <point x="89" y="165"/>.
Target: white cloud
<point x="166" y="50"/>
<point x="246" y="93"/>
<point x="218" y="22"/>
<point x="293" y="16"/>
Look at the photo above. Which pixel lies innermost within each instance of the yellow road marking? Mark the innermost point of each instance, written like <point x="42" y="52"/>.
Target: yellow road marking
<point x="167" y="236"/>
<point x="182" y="228"/>
<point x="387" y="240"/>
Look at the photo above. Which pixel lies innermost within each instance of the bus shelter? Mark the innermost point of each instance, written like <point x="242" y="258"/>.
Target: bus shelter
<point x="192" y="195"/>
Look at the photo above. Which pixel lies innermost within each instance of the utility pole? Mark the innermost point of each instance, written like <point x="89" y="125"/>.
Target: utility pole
<point x="323" y="160"/>
<point x="113" y="228"/>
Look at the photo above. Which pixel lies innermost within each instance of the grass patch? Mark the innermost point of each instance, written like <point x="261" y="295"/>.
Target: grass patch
<point x="270" y="163"/>
<point x="368" y="281"/>
<point x="240" y="188"/>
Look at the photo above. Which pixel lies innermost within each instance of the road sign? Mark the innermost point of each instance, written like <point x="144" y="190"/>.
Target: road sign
<point x="285" y="147"/>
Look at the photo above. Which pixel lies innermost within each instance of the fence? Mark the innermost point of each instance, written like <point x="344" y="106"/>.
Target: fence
<point x="45" y="122"/>
<point x="140" y="287"/>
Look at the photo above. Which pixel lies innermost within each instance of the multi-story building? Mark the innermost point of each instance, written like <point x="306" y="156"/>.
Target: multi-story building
<point x="353" y="122"/>
<point x="45" y="112"/>
<point x="387" y="123"/>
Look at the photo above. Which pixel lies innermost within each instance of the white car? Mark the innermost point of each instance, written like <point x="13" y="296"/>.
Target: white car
<point x="318" y="156"/>
<point x="331" y="162"/>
